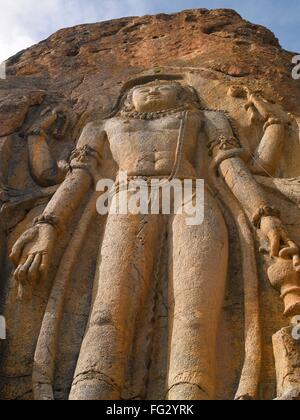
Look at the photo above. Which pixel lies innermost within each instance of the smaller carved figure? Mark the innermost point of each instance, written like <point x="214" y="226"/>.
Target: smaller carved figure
<point x="45" y="170"/>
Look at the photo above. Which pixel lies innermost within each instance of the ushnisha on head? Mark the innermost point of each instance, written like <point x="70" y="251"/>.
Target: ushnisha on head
<point x="157" y="98"/>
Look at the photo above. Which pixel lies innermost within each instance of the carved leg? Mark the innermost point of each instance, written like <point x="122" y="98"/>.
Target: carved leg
<point x="127" y="258"/>
<point x="198" y="272"/>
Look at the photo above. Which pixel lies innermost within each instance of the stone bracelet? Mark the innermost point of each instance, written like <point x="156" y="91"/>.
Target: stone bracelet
<point x="48" y="219"/>
<point x="274" y="121"/>
<point x="84" y="153"/>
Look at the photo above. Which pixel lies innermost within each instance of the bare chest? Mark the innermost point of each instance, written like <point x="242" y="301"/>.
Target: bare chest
<point x="151" y="136"/>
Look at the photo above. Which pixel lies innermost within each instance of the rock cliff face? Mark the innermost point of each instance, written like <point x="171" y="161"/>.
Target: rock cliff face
<point x="81" y="72"/>
<point x="76" y="63"/>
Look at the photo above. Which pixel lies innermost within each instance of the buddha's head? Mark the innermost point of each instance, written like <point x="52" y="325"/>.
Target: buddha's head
<point x="159" y="95"/>
<point x="155" y="97"/>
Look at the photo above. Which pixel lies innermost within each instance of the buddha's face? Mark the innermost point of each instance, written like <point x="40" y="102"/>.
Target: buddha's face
<point x="155" y="98"/>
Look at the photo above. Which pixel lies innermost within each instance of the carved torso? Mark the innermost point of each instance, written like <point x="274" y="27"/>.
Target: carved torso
<point x="148" y="148"/>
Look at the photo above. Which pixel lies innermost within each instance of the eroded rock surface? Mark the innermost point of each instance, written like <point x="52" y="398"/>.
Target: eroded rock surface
<point x="234" y="83"/>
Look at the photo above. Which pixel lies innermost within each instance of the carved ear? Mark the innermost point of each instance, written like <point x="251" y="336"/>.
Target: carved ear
<point x="193" y="96"/>
<point x="126" y="103"/>
<point x="123" y="102"/>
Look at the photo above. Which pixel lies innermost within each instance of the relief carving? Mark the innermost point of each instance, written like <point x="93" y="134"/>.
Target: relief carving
<point x="159" y="130"/>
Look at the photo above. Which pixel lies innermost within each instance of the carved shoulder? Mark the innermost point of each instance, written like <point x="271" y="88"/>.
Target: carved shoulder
<point x="93" y="136"/>
<point x="216" y="124"/>
<point x="222" y="142"/>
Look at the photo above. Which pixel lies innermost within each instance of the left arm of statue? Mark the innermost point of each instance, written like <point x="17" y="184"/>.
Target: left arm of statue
<point x="250" y="195"/>
<point x="252" y="199"/>
<point x="276" y="132"/>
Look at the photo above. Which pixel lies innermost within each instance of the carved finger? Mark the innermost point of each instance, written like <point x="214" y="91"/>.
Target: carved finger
<point x="18" y="248"/>
<point x="289" y="251"/>
<point x="21" y="275"/>
<point x="24" y="292"/>
<point x="16" y="273"/>
<point x="33" y="272"/>
<point x="23" y="270"/>
<point x="19" y="266"/>
<point x="44" y="266"/>
<point x="291" y="248"/>
<point x="274" y="239"/>
<point x="21" y="292"/>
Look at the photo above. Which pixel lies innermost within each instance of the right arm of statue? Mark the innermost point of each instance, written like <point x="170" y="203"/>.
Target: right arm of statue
<point x="32" y="252"/>
<point x="85" y="164"/>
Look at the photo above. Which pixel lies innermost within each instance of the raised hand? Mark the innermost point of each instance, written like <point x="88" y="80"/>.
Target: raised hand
<point x="47" y="119"/>
<point x="54" y="120"/>
<point x="263" y="110"/>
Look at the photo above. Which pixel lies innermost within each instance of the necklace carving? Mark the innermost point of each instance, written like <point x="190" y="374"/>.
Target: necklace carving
<point x="152" y="115"/>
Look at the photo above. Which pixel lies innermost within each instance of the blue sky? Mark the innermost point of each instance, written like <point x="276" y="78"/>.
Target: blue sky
<point x="26" y="22"/>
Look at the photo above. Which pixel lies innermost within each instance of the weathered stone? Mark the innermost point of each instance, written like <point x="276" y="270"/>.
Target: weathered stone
<point x="146" y="306"/>
<point x="287" y="356"/>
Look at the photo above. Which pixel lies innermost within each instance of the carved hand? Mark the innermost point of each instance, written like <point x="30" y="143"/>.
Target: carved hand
<point x="265" y="109"/>
<point x="280" y="243"/>
<point x="50" y="117"/>
<point x="32" y="254"/>
<point x="47" y="120"/>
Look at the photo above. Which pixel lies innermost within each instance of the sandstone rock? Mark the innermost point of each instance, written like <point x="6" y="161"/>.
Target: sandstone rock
<point x="76" y="77"/>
